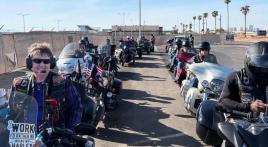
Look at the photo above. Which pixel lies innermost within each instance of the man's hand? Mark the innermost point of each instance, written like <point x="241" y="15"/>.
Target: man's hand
<point x="258" y="106"/>
<point x="37" y="143"/>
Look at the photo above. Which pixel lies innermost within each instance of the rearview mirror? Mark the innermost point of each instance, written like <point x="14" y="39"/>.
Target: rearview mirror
<point x="205" y="84"/>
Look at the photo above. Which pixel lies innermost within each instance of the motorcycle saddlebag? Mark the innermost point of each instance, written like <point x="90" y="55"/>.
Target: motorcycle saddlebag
<point x="116" y="86"/>
<point x="207" y="120"/>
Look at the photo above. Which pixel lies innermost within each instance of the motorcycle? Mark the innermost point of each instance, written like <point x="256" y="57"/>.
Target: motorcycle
<point x="110" y="63"/>
<point x="169" y="44"/>
<point x="112" y="87"/>
<point x="246" y="129"/>
<point x="69" y="58"/>
<point x="105" y="85"/>
<point x="126" y="53"/>
<point x="180" y="68"/>
<point x="216" y="126"/>
<point x="143" y="46"/>
<point x="192" y="90"/>
<point x="20" y="127"/>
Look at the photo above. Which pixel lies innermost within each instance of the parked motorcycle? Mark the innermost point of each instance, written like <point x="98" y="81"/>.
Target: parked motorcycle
<point x="126" y="53"/>
<point x="20" y="128"/>
<point x="110" y="63"/>
<point x="69" y="58"/>
<point x="217" y="127"/>
<point x="112" y="87"/>
<point x="192" y="90"/>
<point x="143" y="46"/>
<point x="169" y="44"/>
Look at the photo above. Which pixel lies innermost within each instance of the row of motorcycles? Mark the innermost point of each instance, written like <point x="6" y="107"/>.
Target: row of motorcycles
<point x="201" y="86"/>
<point x="129" y="48"/>
<point x="99" y="97"/>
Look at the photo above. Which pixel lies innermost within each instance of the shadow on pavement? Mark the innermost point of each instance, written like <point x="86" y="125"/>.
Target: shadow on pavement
<point x="125" y="76"/>
<point x="147" y="58"/>
<point x="146" y="96"/>
<point x="145" y="65"/>
<point x="142" y="128"/>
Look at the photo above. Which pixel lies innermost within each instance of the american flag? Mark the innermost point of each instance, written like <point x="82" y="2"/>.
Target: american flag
<point x="95" y="70"/>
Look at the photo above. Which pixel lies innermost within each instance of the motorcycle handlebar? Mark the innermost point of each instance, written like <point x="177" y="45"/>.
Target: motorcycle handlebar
<point x="3" y="106"/>
<point x="69" y="134"/>
<point x="251" y="116"/>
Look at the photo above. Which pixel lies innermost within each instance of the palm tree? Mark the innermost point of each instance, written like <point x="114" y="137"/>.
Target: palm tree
<point x="205" y="15"/>
<point x="199" y="18"/>
<point x="194" y="18"/>
<point x="245" y="10"/>
<point x="190" y="27"/>
<point x="215" y="14"/>
<point x="227" y="4"/>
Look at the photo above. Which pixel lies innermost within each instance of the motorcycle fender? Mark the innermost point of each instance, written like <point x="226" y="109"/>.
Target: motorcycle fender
<point x="191" y="100"/>
<point x="208" y="116"/>
<point x="185" y="87"/>
<point x="229" y="132"/>
<point x="117" y="83"/>
<point x="89" y="109"/>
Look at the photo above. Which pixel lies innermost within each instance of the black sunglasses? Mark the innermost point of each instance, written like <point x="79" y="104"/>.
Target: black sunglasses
<point x="38" y="61"/>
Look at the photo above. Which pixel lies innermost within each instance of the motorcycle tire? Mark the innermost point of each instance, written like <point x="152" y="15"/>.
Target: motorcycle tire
<point x="140" y="55"/>
<point x="133" y="60"/>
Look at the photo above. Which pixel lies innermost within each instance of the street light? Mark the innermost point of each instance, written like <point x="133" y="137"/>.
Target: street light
<point x="139" y="18"/>
<point x="123" y="23"/>
<point x="58" y="24"/>
<point x="23" y="19"/>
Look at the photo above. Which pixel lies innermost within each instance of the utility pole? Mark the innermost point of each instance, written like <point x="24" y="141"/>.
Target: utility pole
<point x="139" y="18"/>
<point x="220" y="23"/>
<point x="58" y="24"/>
<point x="23" y="19"/>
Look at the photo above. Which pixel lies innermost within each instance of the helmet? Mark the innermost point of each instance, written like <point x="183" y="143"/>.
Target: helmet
<point x="178" y="42"/>
<point x="186" y="43"/>
<point x="84" y="38"/>
<point x="82" y="41"/>
<point x="256" y="61"/>
<point x="205" y="46"/>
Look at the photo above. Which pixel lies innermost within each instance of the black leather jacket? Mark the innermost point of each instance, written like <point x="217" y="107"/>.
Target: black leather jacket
<point x="239" y="91"/>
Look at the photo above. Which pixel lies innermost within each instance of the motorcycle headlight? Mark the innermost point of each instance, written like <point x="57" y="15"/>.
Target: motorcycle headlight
<point x="105" y="81"/>
<point x="216" y="86"/>
<point x="114" y="90"/>
<point x="109" y="94"/>
<point x="125" y="47"/>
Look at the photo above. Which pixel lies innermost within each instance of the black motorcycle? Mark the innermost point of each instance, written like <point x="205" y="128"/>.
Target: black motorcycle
<point x="110" y="63"/>
<point x="235" y="128"/>
<point x="128" y="54"/>
<point x="20" y="129"/>
<point x="246" y="129"/>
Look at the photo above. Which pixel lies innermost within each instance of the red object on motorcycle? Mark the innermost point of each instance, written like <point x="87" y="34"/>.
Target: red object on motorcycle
<point x="56" y="113"/>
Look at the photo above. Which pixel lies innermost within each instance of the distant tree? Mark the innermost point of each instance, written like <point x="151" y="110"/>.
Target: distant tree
<point x="215" y="14"/>
<point x="199" y="19"/>
<point x="245" y="11"/>
<point x="227" y="5"/>
<point x="205" y="15"/>
<point x="190" y="27"/>
<point x="194" y="18"/>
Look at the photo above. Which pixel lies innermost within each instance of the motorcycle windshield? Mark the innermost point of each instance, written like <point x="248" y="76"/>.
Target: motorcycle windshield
<point x="3" y="103"/>
<point x="71" y="50"/>
<point x="19" y="129"/>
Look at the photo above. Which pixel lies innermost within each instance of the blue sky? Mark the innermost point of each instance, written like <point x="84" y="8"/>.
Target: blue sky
<point x="104" y="13"/>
